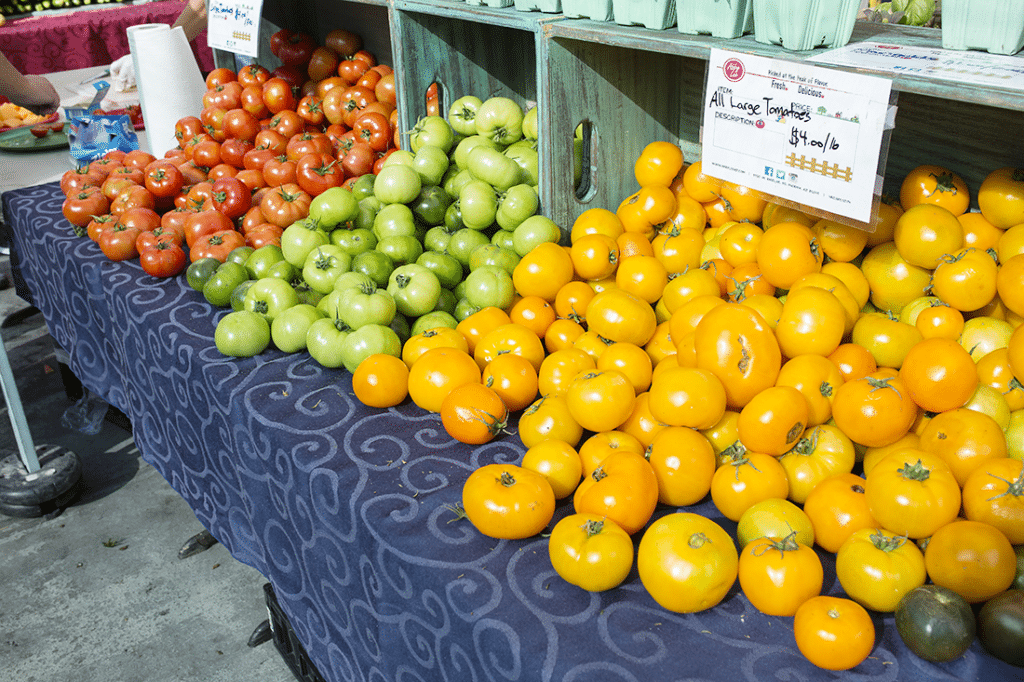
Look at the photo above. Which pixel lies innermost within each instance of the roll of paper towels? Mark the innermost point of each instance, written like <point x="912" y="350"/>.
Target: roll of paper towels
<point x="171" y="86"/>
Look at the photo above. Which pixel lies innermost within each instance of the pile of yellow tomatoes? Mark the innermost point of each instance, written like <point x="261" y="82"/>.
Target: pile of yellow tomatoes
<point x="699" y="341"/>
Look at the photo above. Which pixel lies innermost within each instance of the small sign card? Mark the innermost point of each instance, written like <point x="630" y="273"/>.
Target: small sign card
<point x="234" y="25"/>
<point x="796" y="131"/>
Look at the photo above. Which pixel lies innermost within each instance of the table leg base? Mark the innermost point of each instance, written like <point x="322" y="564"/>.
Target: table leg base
<point x="200" y="542"/>
<point x="45" y="492"/>
<point x="287" y="644"/>
<point x="261" y="635"/>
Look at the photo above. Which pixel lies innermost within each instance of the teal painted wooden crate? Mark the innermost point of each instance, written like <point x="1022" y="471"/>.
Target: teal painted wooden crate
<point x="491" y="3"/>
<point x="805" y="24"/>
<point x="598" y="10"/>
<point x="719" y="18"/>
<point x="992" y="25"/>
<point x="539" y="5"/>
<point x="656" y="14"/>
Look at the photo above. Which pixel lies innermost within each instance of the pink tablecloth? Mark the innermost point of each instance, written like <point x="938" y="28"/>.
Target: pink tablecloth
<point x="86" y="37"/>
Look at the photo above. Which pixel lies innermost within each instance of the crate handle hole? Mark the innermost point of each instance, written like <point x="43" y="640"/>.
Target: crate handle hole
<point x="584" y="153"/>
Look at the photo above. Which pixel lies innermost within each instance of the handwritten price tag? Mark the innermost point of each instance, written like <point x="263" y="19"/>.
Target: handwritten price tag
<point x="234" y="25"/>
<point x="796" y="131"/>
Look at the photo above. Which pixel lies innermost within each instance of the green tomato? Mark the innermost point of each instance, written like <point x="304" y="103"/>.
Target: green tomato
<point x="461" y="154"/>
<point x="455" y="181"/>
<point x="400" y="157"/>
<point x="493" y="167"/>
<point x="515" y="206"/>
<point x="435" y="319"/>
<point x="238" y="295"/>
<point x="336" y="206"/>
<point x="533" y="231"/>
<point x="400" y="325"/>
<point x="479" y="205"/>
<point x="432" y="164"/>
<point x="324" y="340"/>
<point x="401" y="250"/>
<point x="463" y="243"/>
<point x="218" y="289"/>
<point x="464" y="309"/>
<point x="447" y="267"/>
<point x="305" y="294"/>
<point x="394" y="220"/>
<point x="489" y="285"/>
<point x="453" y="218"/>
<point x="462" y="114"/>
<point x="503" y="238"/>
<point x="282" y="270"/>
<point x="528" y="161"/>
<point x="199" y="273"/>
<point x="431" y="131"/>
<point x="242" y="334"/>
<point x="354" y="280"/>
<point x="363" y="187"/>
<point x="397" y="184"/>
<point x="431" y="204"/>
<point x="240" y="254"/>
<point x="437" y="238"/>
<point x="367" y="213"/>
<point x="323" y="266"/>
<point x="446" y="301"/>
<point x="489" y="254"/>
<point x="530" y="128"/>
<point x="378" y="266"/>
<point x="354" y="241"/>
<point x="360" y="307"/>
<point x="415" y="289"/>
<point x="270" y="297"/>
<point x="299" y="238"/>
<point x="289" y="329"/>
<point x="500" y="119"/>
<point x="371" y="339"/>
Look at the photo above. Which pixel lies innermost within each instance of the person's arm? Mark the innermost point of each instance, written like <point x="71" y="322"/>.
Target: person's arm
<point x="192" y="19"/>
<point x="32" y="92"/>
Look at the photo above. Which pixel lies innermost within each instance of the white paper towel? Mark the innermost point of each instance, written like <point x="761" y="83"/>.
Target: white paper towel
<point x="171" y="86"/>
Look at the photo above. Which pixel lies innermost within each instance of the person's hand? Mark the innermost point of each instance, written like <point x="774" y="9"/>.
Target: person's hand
<point x="44" y="99"/>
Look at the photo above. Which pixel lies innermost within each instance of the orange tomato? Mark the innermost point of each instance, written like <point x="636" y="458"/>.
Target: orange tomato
<point x="561" y="334"/>
<point x="473" y="414"/>
<point x="925" y="233"/>
<point x="837" y="507"/>
<point x="994" y="370"/>
<point x="742" y="203"/>
<point x="558" y="462"/>
<point x="939" y="374"/>
<point x="813" y="321"/>
<point x="689" y="285"/>
<point x="777" y="575"/>
<point x="978" y="232"/>
<point x="381" y="380"/>
<point x="734" y="343"/>
<point x="884" y="222"/>
<point x="833" y="633"/>
<point x="746" y="480"/>
<point x="894" y="282"/>
<point x="594" y="256"/>
<point x="658" y="164"/>
<point x="701" y="187"/>
<point x="1001" y="197"/>
<point x="509" y="338"/>
<point x="506" y="501"/>
<point x="623" y="488"/>
<point x="534" y="313"/>
<point x="841" y="243"/>
<point x="747" y="280"/>
<point x="822" y="452"/>
<point x="641" y="424"/>
<point x="543" y="271"/>
<point x="941" y="321"/>
<point x="874" y="410"/>
<point x="966" y="279"/>
<point x="678" y="249"/>
<point x="685" y="318"/>
<point x="817" y="378"/>
<point x="660" y="346"/>
<point x="1010" y="284"/>
<point x="686" y="396"/>
<point x="684" y="464"/>
<point x="595" y="449"/>
<point x="437" y="372"/>
<point x="643" y="211"/>
<point x="596" y="221"/>
<point x="600" y="400"/>
<point x="513" y="378"/>
<point x="787" y="252"/>
<point x="619" y="315"/>
<point x="441" y="337"/>
<point x="773" y="420"/>
<point x="633" y="244"/>
<point x="973" y="559"/>
<point x="632" y="361"/>
<point x="479" y="324"/>
<point x="964" y="439"/>
<point x="643" y="276"/>
<point x="560" y="367"/>
<point x="911" y="492"/>
<point x="994" y="494"/>
<point x="935" y="185"/>
<point x="572" y="299"/>
<point x="853" y="361"/>
<point x="548" y="417"/>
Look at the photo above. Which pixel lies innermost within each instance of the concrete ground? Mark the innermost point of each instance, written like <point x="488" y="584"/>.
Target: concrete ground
<point x="98" y="593"/>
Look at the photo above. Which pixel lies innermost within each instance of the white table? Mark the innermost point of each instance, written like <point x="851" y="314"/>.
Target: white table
<point x="25" y="169"/>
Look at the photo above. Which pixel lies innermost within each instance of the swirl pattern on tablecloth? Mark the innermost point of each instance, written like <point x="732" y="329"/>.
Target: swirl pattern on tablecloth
<point x="348" y="510"/>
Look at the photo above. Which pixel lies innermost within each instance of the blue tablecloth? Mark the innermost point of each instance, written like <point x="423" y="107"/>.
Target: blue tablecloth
<point x="343" y="508"/>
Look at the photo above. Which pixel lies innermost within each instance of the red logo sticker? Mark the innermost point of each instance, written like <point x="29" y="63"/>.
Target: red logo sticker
<point x="733" y="70"/>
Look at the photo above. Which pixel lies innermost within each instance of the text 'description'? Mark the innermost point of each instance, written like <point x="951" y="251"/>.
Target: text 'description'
<point x="795" y="131"/>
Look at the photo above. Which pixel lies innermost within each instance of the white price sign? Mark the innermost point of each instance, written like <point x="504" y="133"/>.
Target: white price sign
<point x="234" y="25"/>
<point x="793" y="130"/>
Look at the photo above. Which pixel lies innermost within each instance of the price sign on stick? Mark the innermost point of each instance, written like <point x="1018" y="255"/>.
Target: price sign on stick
<point x="796" y="131"/>
<point x="234" y="25"/>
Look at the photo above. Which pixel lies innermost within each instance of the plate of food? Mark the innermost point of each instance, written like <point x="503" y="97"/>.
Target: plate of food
<point x="14" y="116"/>
<point x="34" y="138"/>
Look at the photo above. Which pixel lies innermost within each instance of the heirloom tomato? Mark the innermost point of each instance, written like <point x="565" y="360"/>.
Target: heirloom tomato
<point x="734" y="343"/>
<point x="837" y="507"/>
<point x="774" y="518"/>
<point x="285" y="205"/>
<point x="935" y="623"/>
<point x="939" y="374"/>
<point x="596" y="448"/>
<point x="620" y="316"/>
<point x="812" y="321"/>
<point x="558" y="462"/>
<point x="823" y="451"/>
<point x="242" y="334"/>
<point x="437" y="372"/>
<point x="893" y="280"/>
<point x="1000" y="624"/>
<point x="877" y="568"/>
<point x="163" y="259"/>
<point x="773" y="420"/>
<point x="935" y="185"/>
<point x="925" y="233"/>
<point x="623" y="488"/>
<point x="817" y="378"/>
<point x="994" y="494"/>
<point x="590" y="551"/>
<point x="82" y="205"/>
<point x="833" y="633"/>
<point x="777" y="575"/>
<point x="964" y="439"/>
<point x="509" y="338"/>
<point x="548" y="417"/>
<point x="513" y="378"/>
<point x="788" y="251"/>
<point x="473" y="413"/>
<point x="972" y="558"/>
<point x="874" y="410"/>
<point x="1001" y="197"/>
<point x="381" y="380"/>
<point x="912" y="492"/>
<point x="599" y="399"/>
<point x="683" y="463"/>
<point x="507" y="502"/>
<point x="748" y="478"/>
<point x="687" y="562"/>
<point x="965" y="279"/>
